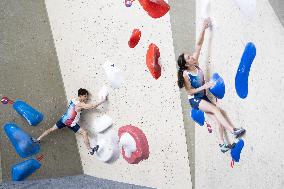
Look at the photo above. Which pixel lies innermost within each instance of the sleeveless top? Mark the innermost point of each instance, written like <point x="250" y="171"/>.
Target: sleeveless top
<point x="71" y="116"/>
<point x="196" y="80"/>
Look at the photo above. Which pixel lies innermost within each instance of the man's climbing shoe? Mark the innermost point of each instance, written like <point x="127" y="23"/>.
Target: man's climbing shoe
<point x="225" y="147"/>
<point x="35" y="140"/>
<point x="93" y="150"/>
<point x="238" y="132"/>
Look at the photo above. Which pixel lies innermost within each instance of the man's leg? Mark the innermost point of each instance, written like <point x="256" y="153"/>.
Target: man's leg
<point x="47" y="132"/>
<point x="84" y="133"/>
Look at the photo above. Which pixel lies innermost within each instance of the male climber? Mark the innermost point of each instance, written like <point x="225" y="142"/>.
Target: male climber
<point x="71" y="118"/>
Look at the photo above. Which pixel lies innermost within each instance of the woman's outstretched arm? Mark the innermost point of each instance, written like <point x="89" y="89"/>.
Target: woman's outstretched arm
<point x="200" y="40"/>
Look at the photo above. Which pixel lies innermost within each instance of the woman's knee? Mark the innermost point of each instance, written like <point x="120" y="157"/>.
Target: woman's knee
<point x="216" y="111"/>
<point x="214" y="118"/>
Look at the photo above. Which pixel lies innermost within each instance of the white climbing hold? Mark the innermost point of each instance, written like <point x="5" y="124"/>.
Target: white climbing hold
<point x="113" y="74"/>
<point x="108" y="148"/>
<point x="103" y="93"/>
<point x="102" y="123"/>
<point x="128" y="143"/>
<point x="205" y="9"/>
<point x="247" y="7"/>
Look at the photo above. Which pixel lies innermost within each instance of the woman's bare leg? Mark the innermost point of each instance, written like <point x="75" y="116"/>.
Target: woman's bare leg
<point x="210" y="108"/>
<point x="220" y="128"/>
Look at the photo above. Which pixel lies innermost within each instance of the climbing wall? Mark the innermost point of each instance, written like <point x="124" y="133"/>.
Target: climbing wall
<point x="260" y="113"/>
<point x="87" y="34"/>
<point x="29" y="71"/>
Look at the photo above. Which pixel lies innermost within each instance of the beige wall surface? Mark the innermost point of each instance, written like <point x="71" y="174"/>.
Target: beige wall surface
<point x="86" y="34"/>
<point x="261" y="164"/>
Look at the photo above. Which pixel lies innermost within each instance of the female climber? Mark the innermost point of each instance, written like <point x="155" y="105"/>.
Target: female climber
<point x="71" y="118"/>
<point x="191" y="77"/>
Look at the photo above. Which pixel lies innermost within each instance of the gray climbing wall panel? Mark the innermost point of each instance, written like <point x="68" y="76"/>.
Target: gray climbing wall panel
<point x="29" y="70"/>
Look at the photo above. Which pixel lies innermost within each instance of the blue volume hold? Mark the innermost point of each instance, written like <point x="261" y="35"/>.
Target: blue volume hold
<point x="236" y="151"/>
<point x="21" y="141"/>
<point x="218" y="90"/>
<point x="24" y="169"/>
<point x="32" y="116"/>
<point x="241" y="80"/>
<point x="198" y="116"/>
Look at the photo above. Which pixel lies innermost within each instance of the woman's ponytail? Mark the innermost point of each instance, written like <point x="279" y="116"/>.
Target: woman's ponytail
<point x="181" y="63"/>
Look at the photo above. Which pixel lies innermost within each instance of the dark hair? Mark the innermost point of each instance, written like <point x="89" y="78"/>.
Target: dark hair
<point x="82" y="92"/>
<point x="181" y="63"/>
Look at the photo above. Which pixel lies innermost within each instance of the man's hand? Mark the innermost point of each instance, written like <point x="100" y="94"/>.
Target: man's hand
<point x="104" y="99"/>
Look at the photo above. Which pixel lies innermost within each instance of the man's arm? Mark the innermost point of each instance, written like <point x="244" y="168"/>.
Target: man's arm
<point x="200" y="40"/>
<point x="84" y="106"/>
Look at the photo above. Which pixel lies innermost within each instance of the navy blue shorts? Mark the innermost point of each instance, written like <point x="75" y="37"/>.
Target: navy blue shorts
<point x="61" y="125"/>
<point x="194" y="102"/>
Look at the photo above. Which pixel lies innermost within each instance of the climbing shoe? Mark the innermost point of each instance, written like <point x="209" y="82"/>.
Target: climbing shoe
<point x="238" y="132"/>
<point x="225" y="147"/>
<point x="93" y="150"/>
<point x="35" y="140"/>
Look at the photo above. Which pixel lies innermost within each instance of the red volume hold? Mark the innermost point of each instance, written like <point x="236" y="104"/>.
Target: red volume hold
<point x="142" y="147"/>
<point x="155" y="8"/>
<point x="134" y="39"/>
<point x="152" y="58"/>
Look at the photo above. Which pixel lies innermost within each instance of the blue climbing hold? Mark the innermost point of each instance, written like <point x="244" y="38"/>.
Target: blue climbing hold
<point x="197" y="116"/>
<point x="21" y="141"/>
<point x="24" y="169"/>
<point x="241" y="80"/>
<point x="32" y="116"/>
<point x="218" y="90"/>
<point x="236" y="151"/>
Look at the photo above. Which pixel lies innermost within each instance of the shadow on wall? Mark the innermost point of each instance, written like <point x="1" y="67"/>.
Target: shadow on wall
<point x="182" y="16"/>
<point x="30" y="65"/>
<point x="278" y="6"/>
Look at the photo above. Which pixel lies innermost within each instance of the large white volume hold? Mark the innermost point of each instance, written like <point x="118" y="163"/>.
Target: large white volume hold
<point x="128" y="143"/>
<point x="247" y="7"/>
<point x="205" y="9"/>
<point x="102" y="123"/>
<point x="108" y="147"/>
<point x="113" y="74"/>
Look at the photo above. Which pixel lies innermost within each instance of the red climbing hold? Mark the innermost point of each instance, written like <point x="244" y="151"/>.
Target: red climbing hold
<point x="142" y="147"/>
<point x="6" y="100"/>
<point x="209" y="128"/>
<point x="128" y="3"/>
<point x="232" y="163"/>
<point x="39" y="158"/>
<point x="134" y="39"/>
<point x="155" y="8"/>
<point x="152" y="58"/>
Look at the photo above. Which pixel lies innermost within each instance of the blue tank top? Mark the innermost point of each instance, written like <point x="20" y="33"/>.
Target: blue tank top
<point x="196" y="80"/>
